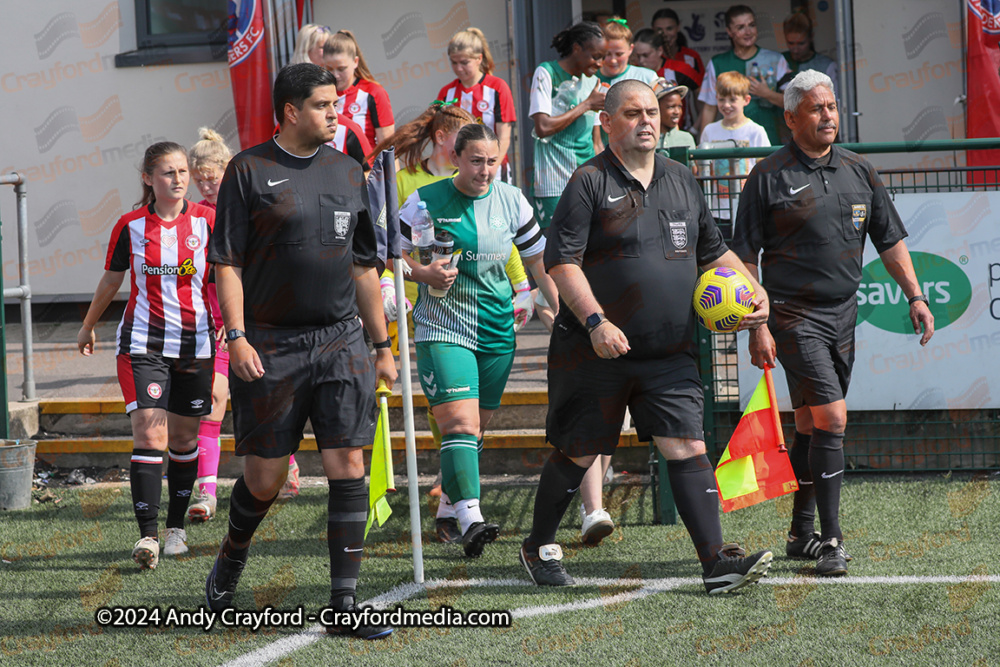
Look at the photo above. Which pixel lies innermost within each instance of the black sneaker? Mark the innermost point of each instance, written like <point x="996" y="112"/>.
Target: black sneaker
<point x="478" y="536"/>
<point x="220" y="587"/>
<point x="362" y="631"/>
<point x="807" y="548"/>
<point x="735" y="569"/>
<point x="447" y="530"/>
<point x="545" y="566"/>
<point x="832" y="561"/>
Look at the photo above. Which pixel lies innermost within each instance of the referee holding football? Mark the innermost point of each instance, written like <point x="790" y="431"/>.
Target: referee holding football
<point x="624" y="248"/>
<point x="295" y="253"/>
<point x="809" y="207"/>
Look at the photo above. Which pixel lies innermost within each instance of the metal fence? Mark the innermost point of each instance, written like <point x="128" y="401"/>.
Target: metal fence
<point x="883" y="441"/>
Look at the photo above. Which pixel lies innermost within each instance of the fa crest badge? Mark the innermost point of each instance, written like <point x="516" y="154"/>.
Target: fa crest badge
<point x="679" y="234"/>
<point x="341" y="223"/>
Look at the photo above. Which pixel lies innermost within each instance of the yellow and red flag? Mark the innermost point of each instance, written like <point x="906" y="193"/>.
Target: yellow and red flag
<point x="755" y="465"/>
<point x="381" y="478"/>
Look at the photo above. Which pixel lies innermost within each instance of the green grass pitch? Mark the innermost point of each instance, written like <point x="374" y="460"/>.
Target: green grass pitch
<point x="63" y="561"/>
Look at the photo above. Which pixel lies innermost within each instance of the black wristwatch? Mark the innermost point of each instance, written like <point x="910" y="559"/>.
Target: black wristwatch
<point x="594" y="321"/>
<point x="233" y="334"/>
<point x="919" y="297"/>
<point x="384" y="345"/>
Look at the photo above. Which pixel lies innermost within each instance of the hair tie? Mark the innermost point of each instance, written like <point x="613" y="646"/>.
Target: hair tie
<point x="442" y="103"/>
<point x="621" y="22"/>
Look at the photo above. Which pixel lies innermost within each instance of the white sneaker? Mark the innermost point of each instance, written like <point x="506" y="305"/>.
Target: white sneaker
<point x="146" y="553"/>
<point x="175" y="542"/>
<point x="596" y="526"/>
<point x="203" y="508"/>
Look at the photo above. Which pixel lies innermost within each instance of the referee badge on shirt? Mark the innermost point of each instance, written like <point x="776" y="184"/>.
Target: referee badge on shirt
<point x="341" y="223"/>
<point x="859" y="213"/>
<point x="679" y="234"/>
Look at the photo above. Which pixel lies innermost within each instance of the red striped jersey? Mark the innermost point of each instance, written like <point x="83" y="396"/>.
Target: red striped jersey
<point x="688" y="67"/>
<point x="489" y="100"/>
<point x="167" y="311"/>
<point x="350" y="140"/>
<point x="367" y="104"/>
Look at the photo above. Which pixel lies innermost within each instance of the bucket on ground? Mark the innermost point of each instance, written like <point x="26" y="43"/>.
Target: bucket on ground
<point x="17" y="467"/>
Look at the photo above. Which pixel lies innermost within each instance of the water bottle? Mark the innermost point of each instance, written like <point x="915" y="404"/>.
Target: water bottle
<point x="422" y="233"/>
<point x="444" y="246"/>
<point x="567" y="96"/>
<point x="769" y="78"/>
<point x="754" y="71"/>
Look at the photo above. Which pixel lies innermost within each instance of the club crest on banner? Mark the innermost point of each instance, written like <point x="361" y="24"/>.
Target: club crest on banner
<point x="246" y="28"/>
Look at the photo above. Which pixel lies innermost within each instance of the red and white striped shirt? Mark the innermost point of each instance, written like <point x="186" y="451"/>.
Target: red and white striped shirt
<point x="489" y="100"/>
<point x="367" y="104"/>
<point x="167" y="311"/>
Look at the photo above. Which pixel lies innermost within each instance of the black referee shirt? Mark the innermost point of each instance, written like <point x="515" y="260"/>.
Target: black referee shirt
<point x="296" y="226"/>
<point x="639" y="249"/>
<point x="811" y="220"/>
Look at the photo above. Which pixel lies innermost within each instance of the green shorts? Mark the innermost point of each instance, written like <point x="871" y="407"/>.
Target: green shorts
<point x="545" y="208"/>
<point x="450" y="372"/>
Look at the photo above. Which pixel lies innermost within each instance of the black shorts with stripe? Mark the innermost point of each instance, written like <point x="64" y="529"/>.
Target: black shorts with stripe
<point x="182" y="386"/>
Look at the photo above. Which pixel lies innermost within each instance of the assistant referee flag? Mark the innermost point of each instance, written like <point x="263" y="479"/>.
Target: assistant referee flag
<point x="382" y="480"/>
<point x="755" y="465"/>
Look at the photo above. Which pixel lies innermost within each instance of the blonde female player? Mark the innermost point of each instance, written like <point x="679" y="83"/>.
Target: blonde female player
<point x="361" y="99"/>
<point x="309" y="44"/>
<point x="465" y="342"/>
<point x="486" y="97"/>
<point x="165" y="345"/>
<point x="615" y="67"/>
<point x="208" y="159"/>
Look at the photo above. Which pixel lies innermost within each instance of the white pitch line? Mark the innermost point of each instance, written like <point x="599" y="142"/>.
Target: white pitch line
<point x="644" y="588"/>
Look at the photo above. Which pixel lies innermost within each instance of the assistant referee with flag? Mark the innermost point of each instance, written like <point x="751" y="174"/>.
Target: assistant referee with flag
<point x="809" y="207"/>
<point x="295" y="254"/>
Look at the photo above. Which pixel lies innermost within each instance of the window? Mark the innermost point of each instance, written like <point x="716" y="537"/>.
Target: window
<point x="178" y="31"/>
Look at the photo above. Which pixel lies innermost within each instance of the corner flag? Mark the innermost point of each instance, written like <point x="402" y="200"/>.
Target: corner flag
<point x="755" y="466"/>
<point x="382" y="480"/>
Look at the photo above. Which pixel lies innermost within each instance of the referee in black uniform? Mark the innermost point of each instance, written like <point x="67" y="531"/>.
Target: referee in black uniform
<point x="626" y="241"/>
<point x="809" y="207"/>
<point x="295" y="252"/>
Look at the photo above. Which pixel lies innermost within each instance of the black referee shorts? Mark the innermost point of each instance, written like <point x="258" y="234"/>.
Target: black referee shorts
<point x="588" y="396"/>
<point x="325" y="375"/>
<point x="815" y="345"/>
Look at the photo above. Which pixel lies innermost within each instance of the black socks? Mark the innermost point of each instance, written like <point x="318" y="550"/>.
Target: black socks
<point x="245" y="514"/>
<point x="146" y="475"/>
<point x="826" y="461"/>
<point x="697" y="498"/>
<point x="559" y="481"/>
<point x="182" y="470"/>
<point x="804" y="503"/>
<point x="345" y="535"/>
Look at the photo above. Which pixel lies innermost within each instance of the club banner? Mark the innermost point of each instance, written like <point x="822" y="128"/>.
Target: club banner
<point x="955" y="246"/>
<point x="248" y="70"/>
<point x="982" y="62"/>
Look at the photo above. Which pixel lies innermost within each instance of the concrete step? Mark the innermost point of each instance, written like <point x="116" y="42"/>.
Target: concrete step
<point x="106" y="418"/>
<point x="512" y="451"/>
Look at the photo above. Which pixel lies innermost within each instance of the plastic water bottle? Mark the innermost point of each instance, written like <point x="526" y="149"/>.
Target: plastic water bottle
<point x="754" y="71"/>
<point x="769" y="78"/>
<point x="444" y="246"/>
<point x="422" y="233"/>
<point x="567" y="96"/>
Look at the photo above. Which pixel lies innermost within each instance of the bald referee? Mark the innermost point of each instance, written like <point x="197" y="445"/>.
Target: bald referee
<point x="809" y="207"/>
<point x="626" y="241"/>
<point x="295" y="253"/>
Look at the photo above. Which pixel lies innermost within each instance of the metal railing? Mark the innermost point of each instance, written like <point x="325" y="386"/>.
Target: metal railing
<point x="22" y="292"/>
<point x="884" y="441"/>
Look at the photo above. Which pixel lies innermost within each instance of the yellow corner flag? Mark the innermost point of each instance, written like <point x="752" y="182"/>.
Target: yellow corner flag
<point x="382" y="480"/>
<point x="755" y="465"/>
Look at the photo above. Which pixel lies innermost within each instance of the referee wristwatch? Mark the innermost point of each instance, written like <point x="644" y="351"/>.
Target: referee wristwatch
<point x="594" y="321"/>
<point x="233" y="334"/>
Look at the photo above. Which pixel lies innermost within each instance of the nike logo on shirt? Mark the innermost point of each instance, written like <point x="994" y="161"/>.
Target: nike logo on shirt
<point x="825" y="476"/>
<point x="614" y="199"/>
<point x="352" y="550"/>
<point x="795" y="191"/>
<point x="273" y="183"/>
<point x="711" y="490"/>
